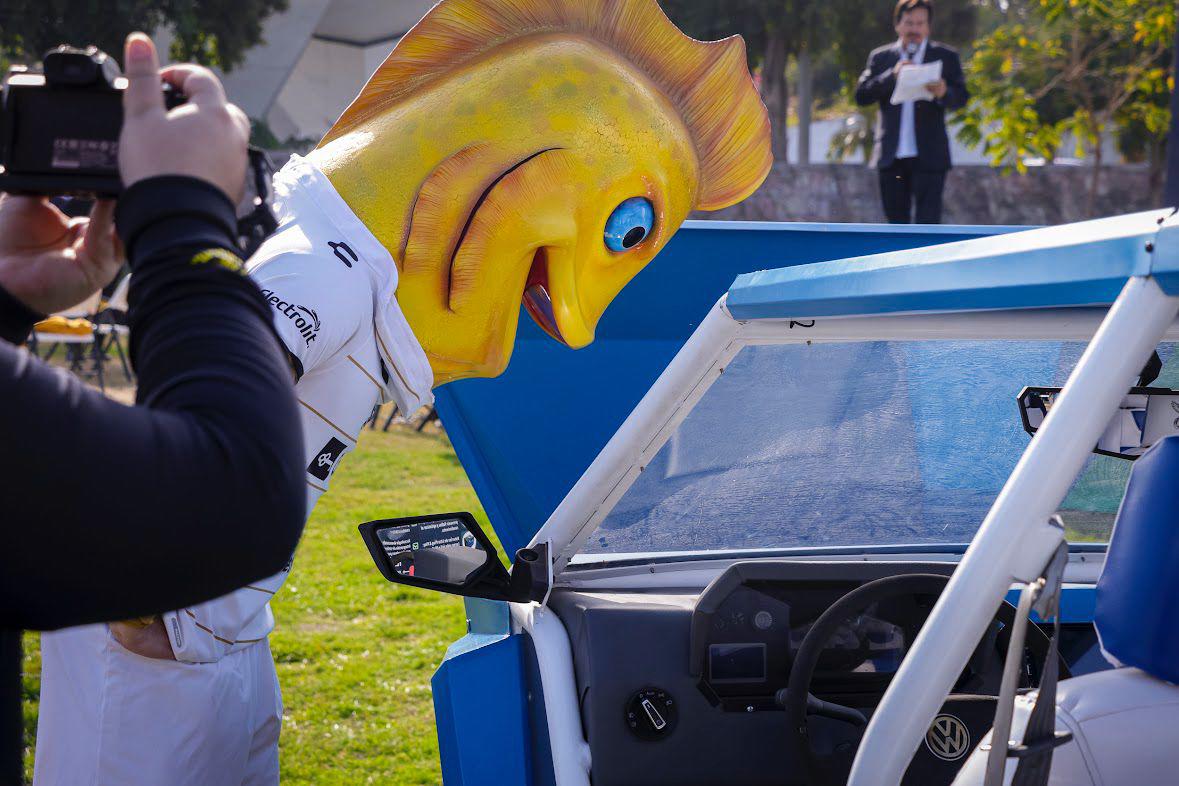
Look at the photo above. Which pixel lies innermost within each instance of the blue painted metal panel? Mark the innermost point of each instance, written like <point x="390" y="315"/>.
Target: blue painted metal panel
<point x="480" y="704"/>
<point x="1072" y="265"/>
<point x="1165" y="264"/>
<point x="525" y="438"/>
<point x="543" y="772"/>
<point x="1077" y="604"/>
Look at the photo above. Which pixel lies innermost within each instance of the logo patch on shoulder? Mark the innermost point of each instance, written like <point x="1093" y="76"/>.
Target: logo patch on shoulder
<point x="220" y="257"/>
<point x="325" y="461"/>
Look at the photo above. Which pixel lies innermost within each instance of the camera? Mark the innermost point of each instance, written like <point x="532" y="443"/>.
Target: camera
<point x="59" y="128"/>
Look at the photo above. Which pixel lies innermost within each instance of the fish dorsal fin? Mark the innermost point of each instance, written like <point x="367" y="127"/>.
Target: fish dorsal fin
<point x="708" y="82"/>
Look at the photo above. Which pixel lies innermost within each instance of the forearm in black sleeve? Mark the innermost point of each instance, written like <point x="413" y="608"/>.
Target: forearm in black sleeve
<point x="956" y="94"/>
<point x="876" y="83"/>
<point x="16" y="319"/>
<point x="113" y="511"/>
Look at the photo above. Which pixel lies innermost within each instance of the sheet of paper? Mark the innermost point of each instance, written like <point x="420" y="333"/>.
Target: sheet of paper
<point x="911" y="82"/>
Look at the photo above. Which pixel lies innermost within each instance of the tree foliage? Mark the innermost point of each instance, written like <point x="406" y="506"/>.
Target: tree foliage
<point x="1076" y="69"/>
<point x="213" y="32"/>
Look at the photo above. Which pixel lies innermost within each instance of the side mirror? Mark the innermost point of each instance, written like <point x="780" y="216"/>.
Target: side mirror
<point x="1145" y="416"/>
<point x="449" y="552"/>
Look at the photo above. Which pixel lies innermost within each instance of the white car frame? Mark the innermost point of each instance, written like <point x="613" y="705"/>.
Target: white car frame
<point x="1111" y="282"/>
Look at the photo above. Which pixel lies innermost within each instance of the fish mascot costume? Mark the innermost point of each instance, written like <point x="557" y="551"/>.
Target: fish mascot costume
<point x="507" y="153"/>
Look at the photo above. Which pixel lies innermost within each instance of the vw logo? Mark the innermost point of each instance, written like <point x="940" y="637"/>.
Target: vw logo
<point x="947" y="738"/>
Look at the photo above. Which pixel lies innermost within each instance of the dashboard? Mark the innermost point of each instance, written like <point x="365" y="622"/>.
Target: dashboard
<point x="752" y="638"/>
<point x="680" y="687"/>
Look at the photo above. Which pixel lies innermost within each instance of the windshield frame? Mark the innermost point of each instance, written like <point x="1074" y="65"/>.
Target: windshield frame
<point x="595" y="561"/>
<point x="702" y="361"/>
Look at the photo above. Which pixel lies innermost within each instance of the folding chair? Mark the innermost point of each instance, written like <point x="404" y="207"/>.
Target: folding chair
<point x="110" y="327"/>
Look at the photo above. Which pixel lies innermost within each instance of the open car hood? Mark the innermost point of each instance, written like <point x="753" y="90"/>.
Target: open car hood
<point x="526" y="437"/>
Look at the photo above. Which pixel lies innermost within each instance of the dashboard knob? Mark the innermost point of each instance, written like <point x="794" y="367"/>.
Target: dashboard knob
<point x="651" y="714"/>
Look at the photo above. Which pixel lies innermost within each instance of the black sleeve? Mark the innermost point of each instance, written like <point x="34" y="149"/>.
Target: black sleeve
<point x="16" y="319"/>
<point x="113" y="511"/>
<point x="956" y="94"/>
<point x="877" y="81"/>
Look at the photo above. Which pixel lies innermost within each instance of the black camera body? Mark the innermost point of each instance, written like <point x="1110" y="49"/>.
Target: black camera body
<point x="59" y="129"/>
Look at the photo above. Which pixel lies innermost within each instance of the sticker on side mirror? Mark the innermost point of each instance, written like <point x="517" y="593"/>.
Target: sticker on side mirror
<point x="412" y="549"/>
<point x="447" y="552"/>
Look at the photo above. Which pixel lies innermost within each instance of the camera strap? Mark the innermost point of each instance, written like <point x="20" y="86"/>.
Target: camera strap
<point x="258" y="224"/>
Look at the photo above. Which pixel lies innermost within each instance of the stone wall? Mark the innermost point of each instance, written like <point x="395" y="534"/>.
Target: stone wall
<point x="974" y="195"/>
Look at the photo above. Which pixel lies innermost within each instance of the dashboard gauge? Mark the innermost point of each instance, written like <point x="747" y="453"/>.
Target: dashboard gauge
<point x="737" y="662"/>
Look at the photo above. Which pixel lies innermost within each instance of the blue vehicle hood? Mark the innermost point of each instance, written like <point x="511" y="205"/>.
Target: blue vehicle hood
<point x="526" y="437"/>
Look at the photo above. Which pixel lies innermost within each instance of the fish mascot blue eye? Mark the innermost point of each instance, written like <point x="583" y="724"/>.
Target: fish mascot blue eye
<point x="629" y="224"/>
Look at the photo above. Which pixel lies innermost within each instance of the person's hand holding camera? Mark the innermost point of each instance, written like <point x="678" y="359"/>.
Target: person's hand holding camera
<point x="204" y="138"/>
<point x="50" y="263"/>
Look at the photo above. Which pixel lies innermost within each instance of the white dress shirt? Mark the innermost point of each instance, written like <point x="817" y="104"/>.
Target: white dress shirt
<point x="907" y="142"/>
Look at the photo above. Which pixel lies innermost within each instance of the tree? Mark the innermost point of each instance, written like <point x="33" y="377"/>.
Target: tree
<point x="1079" y="68"/>
<point x="213" y="32"/>
<point x="1144" y="125"/>
<point x="816" y="23"/>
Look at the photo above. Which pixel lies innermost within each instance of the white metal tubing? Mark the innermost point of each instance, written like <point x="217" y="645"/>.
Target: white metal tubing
<point x="665" y="405"/>
<point x="1001" y="731"/>
<point x="554" y="660"/>
<point x="1082" y="570"/>
<point x="1015" y="540"/>
<point x="1030" y="324"/>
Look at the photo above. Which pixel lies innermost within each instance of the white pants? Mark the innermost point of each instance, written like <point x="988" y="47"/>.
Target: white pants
<point x="109" y="716"/>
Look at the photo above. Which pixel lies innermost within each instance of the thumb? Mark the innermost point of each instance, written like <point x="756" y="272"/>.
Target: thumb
<point x="143" y="94"/>
<point x="100" y="231"/>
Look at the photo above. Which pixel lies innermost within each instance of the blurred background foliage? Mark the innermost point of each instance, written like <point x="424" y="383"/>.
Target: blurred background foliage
<point x="1062" y="74"/>
<point x="212" y="32"/>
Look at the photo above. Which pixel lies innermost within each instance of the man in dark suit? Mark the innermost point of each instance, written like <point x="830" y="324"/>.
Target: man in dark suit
<point x="912" y="150"/>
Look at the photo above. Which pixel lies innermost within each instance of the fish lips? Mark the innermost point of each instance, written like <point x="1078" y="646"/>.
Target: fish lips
<point x="536" y="299"/>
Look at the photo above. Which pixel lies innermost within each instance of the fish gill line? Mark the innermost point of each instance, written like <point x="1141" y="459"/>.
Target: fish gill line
<point x="475" y="209"/>
<point x="403" y="246"/>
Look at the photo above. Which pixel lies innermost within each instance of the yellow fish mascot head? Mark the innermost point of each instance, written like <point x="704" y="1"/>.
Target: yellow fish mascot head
<point x="539" y="151"/>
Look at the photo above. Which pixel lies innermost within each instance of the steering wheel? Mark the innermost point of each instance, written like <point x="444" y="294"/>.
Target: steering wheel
<point x="963" y="719"/>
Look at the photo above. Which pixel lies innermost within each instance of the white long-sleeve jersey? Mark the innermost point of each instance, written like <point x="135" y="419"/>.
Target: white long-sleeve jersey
<point x="331" y="285"/>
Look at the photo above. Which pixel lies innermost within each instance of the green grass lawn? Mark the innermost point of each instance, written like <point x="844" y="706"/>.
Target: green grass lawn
<point x="355" y="653"/>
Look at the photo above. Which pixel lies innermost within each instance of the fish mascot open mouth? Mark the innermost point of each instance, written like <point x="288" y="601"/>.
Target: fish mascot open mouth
<point x="539" y="152"/>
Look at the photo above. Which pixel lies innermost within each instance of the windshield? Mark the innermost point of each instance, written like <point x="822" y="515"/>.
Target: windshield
<point x="854" y="444"/>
